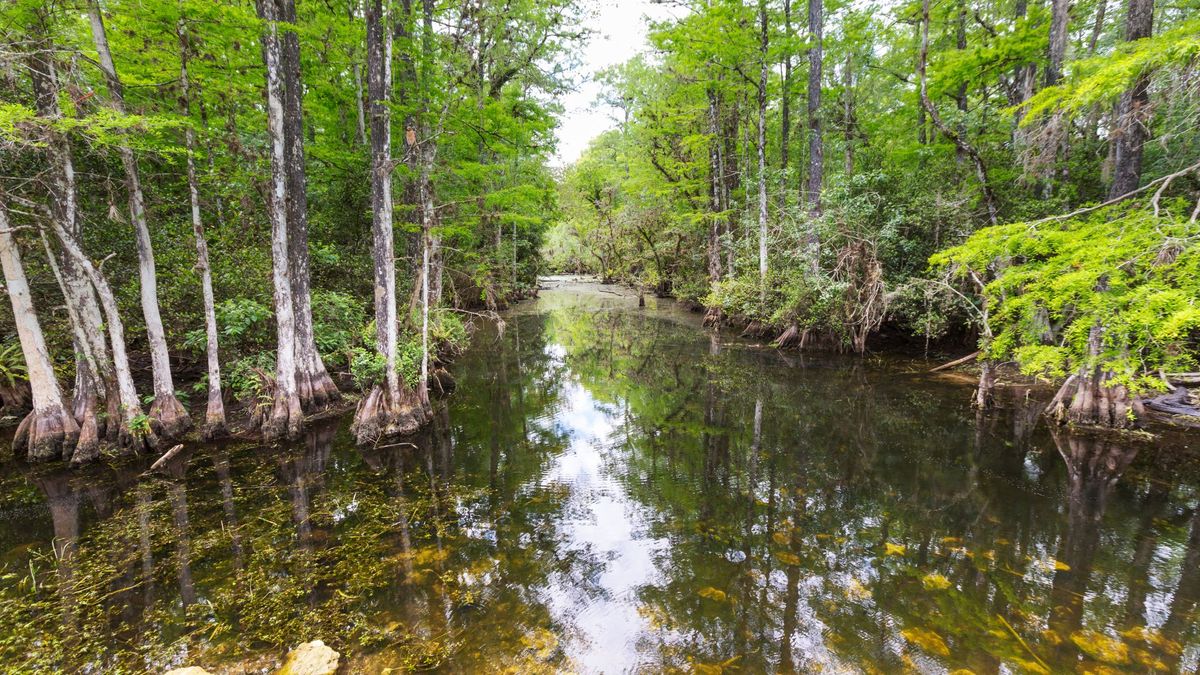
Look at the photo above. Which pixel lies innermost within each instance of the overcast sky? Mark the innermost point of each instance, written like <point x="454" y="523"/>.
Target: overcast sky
<point x="620" y="33"/>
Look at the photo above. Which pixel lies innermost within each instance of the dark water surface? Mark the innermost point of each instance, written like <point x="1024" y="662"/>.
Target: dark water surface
<point x="613" y="490"/>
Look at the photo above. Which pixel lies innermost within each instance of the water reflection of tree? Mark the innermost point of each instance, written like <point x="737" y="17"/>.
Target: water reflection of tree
<point x="1093" y="467"/>
<point x="249" y="550"/>
<point x="823" y="516"/>
<point x="830" y="532"/>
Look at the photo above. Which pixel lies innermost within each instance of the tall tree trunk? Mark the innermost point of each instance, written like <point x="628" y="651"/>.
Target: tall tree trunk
<point x="1059" y="18"/>
<point x="88" y="366"/>
<point x="960" y="97"/>
<point x="716" y="167"/>
<point x="214" y="416"/>
<point x="389" y="407"/>
<point x="167" y="413"/>
<point x="1059" y="25"/>
<point x="849" y="124"/>
<point x="49" y="430"/>
<point x="1097" y="27"/>
<point x="95" y="377"/>
<point x="731" y="175"/>
<point x="816" y="141"/>
<point x="430" y="286"/>
<point x="426" y="152"/>
<point x="1024" y="79"/>
<point x="85" y="289"/>
<point x="712" y="315"/>
<point x="406" y="93"/>
<point x="132" y="434"/>
<point x="286" y="418"/>
<point x="922" y="130"/>
<point x="1133" y="110"/>
<point x="763" y="44"/>
<point x="989" y="197"/>
<point x="313" y="384"/>
<point x="785" y="95"/>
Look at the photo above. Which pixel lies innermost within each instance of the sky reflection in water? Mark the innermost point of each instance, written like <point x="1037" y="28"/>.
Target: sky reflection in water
<point x="614" y="490"/>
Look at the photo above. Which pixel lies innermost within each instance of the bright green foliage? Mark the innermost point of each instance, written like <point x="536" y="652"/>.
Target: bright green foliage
<point x="1135" y="276"/>
<point x="477" y="81"/>
<point x="246" y="377"/>
<point x="641" y="203"/>
<point x="1104" y="78"/>
<point x="12" y="365"/>
<point x="337" y="317"/>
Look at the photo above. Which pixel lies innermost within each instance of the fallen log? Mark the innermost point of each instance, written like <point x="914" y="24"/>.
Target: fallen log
<point x="955" y="362"/>
<point x="167" y="457"/>
<point x="1192" y="379"/>
<point x="1174" y="403"/>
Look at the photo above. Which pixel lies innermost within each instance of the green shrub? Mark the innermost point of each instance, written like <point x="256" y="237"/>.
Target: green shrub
<point x="337" y="318"/>
<point x="367" y="367"/>
<point x="447" y="330"/>
<point x="243" y="322"/>
<point x="12" y="364"/>
<point x="244" y="382"/>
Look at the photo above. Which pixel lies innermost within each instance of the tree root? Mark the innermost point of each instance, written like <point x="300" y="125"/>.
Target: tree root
<point x="213" y="430"/>
<point x="169" y="417"/>
<point x="131" y="442"/>
<point x="15" y="396"/>
<point x="442" y="380"/>
<point x="87" y="449"/>
<point x="1091" y="399"/>
<point x="985" y="397"/>
<point x="378" y="416"/>
<point x="46" y="434"/>
<point x="756" y="329"/>
<point x="791" y="338"/>
<point x="316" y="390"/>
<point x="214" y="417"/>
<point x="1174" y="403"/>
<point x="285" y="420"/>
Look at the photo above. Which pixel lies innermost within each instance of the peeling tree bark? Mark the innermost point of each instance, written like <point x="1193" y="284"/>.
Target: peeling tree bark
<point x="91" y="427"/>
<point x="1059" y="17"/>
<point x="816" y="140"/>
<point x="1133" y="108"/>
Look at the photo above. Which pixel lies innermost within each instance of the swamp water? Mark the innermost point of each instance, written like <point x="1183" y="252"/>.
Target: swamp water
<point x="613" y="489"/>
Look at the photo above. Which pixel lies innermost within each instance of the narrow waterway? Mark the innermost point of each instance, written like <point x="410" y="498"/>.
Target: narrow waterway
<point x="615" y="489"/>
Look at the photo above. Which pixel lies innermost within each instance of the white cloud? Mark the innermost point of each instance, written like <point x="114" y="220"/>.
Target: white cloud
<point x="620" y="33"/>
